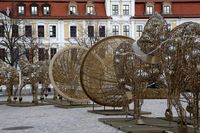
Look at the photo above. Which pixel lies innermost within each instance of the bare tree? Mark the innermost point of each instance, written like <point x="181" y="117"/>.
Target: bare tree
<point x="14" y="40"/>
<point x="87" y="36"/>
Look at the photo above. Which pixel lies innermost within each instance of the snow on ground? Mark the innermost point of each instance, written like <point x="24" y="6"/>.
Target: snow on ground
<point x="49" y="119"/>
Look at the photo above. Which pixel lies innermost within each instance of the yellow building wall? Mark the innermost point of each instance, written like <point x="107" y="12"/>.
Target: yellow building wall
<point x="66" y="30"/>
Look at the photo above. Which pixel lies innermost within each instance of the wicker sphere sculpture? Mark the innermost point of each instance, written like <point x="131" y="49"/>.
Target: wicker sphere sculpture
<point x="99" y="77"/>
<point x="64" y="71"/>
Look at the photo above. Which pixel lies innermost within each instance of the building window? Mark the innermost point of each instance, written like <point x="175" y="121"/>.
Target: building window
<point x="52" y="31"/>
<point x="28" y="31"/>
<point x="34" y="9"/>
<point x="90" y="10"/>
<point x="40" y="31"/>
<point x="72" y="10"/>
<point x="2" y="31"/>
<point x="21" y="9"/>
<point x="114" y="9"/>
<point x="46" y="9"/>
<point x="166" y="9"/>
<point x="125" y="9"/>
<point x="115" y="30"/>
<point x="126" y="30"/>
<point x="139" y="30"/>
<point x="2" y="54"/>
<point x="41" y="54"/>
<point x="73" y="31"/>
<point x="53" y="52"/>
<point x="149" y="8"/>
<point x="29" y="54"/>
<point x="169" y="26"/>
<point x="102" y="31"/>
<point x="90" y="31"/>
<point x="15" y="32"/>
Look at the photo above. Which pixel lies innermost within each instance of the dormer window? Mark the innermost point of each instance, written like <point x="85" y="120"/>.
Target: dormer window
<point x="73" y="8"/>
<point x="90" y="8"/>
<point x="34" y="9"/>
<point x="166" y="8"/>
<point x="149" y="8"/>
<point x="46" y="9"/>
<point x="21" y="9"/>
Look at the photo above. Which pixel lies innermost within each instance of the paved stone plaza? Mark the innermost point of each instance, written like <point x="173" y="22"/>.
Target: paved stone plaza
<point x="49" y="119"/>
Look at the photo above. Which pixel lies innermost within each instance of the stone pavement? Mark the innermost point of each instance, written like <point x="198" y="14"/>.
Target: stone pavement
<point x="50" y="119"/>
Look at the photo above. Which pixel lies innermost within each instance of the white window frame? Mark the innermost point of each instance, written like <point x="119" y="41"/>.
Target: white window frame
<point x="72" y="9"/>
<point x="34" y="10"/>
<point x="149" y="10"/>
<point x="46" y="10"/>
<point x="139" y="30"/>
<point x="90" y="10"/>
<point x="126" y="30"/>
<point x="99" y="29"/>
<point x="117" y="11"/>
<point x="166" y="8"/>
<point x="126" y="11"/>
<point x="21" y="9"/>
<point x="41" y="24"/>
<point x="51" y="31"/>
<point x="70" y="31"/>
<point x="115" y="27"/>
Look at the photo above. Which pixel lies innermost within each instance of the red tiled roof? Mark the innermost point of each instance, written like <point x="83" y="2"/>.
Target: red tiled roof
<point x="50" y="0"/>
<point x="59" y="9"/>
<point x="167" y="0"/>
<point x="179" y="9"/>
<point x="169" y="16"/>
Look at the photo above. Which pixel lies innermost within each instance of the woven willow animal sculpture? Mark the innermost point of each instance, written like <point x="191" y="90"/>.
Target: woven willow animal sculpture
<point x="8" y="76"/>
<point x="181" y="59"/>
<point x="29" y="75"/>
<point x="64" y="73"/>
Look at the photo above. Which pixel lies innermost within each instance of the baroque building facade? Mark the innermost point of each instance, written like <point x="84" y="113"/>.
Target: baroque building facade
<point x="56" y="23"/>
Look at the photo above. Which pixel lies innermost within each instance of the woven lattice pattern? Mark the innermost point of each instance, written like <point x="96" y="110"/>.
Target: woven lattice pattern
<point x="64" y="73"/>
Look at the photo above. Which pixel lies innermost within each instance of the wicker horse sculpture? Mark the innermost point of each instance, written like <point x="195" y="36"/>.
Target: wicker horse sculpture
<point x="9" y="76"/>
<point x="181" y="59"/>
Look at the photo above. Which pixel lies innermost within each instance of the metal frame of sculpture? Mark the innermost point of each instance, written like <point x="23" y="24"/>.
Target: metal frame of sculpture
<point x="64" y="71"/>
